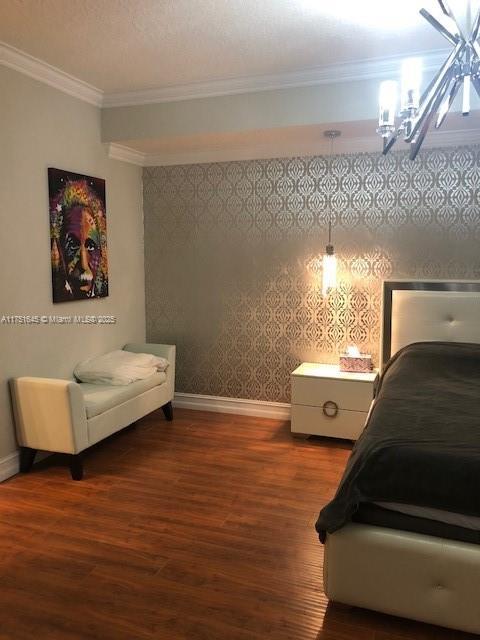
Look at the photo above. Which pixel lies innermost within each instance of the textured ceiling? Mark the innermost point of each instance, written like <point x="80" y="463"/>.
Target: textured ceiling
<point x="126" y="45"/>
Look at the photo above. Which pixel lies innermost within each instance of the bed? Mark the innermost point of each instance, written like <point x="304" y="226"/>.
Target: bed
<point x="402" y="534"/>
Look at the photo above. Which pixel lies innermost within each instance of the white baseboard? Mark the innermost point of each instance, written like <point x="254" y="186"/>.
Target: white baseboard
<point x="258" y="408"/>
<point x="9" y="466"/>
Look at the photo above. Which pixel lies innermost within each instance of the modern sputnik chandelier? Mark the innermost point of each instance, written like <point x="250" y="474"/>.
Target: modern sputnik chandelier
<point x="460" y="69"/>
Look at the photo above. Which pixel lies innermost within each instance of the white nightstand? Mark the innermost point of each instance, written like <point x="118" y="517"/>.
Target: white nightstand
<point x="328" y="402"/>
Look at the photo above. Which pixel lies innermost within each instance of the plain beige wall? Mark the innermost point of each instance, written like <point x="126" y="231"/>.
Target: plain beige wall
<point x="42" y="127"/>
<point x="323" y="104"/>
<point x="296" y="106"/>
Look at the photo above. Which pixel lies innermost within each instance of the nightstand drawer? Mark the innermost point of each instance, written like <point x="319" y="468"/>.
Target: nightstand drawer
<point x="346" y="394"/>
<point x="312" y="420"/>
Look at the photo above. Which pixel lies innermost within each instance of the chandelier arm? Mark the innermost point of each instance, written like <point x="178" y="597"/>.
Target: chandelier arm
<point x="427" y="90"/>
<point x="436" y="86"/>
<point x="445" y="106"/>
<point x="415" y="147"/>
<point x="387" y="145"/>
<point x="476" y="84"/>
<point x="454" y="23"/>
<point x="454" y="37"/>
<point x="445" y="7"/>
<point x="458" y="25"/>
<point x="476" y="47"/>
<point x="475" y="28"/>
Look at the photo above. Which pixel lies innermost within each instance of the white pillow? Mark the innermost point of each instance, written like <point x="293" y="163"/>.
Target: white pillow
<point x="140" y="359"/>
<point x="119" y="367"/>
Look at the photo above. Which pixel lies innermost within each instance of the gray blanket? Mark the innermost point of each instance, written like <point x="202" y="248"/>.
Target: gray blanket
<point x="421" y="444"/>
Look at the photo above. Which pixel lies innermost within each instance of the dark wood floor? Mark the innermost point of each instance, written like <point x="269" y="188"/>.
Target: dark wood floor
<point x="200" y="529"/>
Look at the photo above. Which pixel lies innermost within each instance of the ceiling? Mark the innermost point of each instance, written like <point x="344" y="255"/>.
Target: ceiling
<point x="133" y="45"/>
<point x="319" y="61"/>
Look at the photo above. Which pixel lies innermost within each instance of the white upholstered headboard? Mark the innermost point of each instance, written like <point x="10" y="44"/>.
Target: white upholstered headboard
<point x="429" y="311"/>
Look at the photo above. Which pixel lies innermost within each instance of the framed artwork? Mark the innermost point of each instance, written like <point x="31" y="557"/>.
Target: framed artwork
<point x="78" y="236"/>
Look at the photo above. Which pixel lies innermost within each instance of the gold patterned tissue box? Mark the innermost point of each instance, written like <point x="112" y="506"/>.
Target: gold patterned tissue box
<point x="353" y="361"/>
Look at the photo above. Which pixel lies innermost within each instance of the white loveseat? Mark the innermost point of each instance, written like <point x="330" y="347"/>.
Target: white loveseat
<point x="65" y="416"/>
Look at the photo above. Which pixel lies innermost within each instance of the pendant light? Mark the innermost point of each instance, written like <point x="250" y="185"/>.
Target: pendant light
<point x="329" y="266"/>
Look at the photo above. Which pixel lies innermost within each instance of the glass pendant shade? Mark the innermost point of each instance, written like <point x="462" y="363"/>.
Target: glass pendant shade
<point x="329" y="272"/>
<point x="387" y="106"/>
<point x="410" y="86"/>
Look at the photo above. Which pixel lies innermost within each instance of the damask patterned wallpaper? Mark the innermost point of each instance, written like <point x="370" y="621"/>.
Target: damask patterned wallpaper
<point x="233" y="269"/>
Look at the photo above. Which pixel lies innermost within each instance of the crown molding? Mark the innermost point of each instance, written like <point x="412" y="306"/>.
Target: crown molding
<point x="126" y="154"/>
<point x="46" y="73"/>
<point x="368" y="69"/>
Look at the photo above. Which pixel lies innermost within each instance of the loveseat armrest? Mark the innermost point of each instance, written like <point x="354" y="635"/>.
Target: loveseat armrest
<point x="49" y="414"/>
<point x="167" y="351"/>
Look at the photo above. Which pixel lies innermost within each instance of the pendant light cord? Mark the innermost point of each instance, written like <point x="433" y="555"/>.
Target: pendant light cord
<point x="330" y="208"/>
<point x="331" y="135"/>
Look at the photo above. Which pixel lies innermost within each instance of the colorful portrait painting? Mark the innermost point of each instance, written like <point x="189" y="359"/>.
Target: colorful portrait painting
<point x="78" y="236"/>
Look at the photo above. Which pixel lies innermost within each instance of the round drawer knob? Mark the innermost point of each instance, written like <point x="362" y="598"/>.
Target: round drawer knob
<point x="330" y="409"/>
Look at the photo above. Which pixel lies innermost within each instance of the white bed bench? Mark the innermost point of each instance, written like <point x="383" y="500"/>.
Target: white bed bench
<point x="64" y="416"/>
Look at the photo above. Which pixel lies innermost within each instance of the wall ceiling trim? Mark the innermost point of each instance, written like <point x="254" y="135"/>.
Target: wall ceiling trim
<point x="367" y="144"/>
<point x="329" y="74"/>
<point x="126" y="154"/>
<point x="369" y="69"/>
<point x="46" y="73"/>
